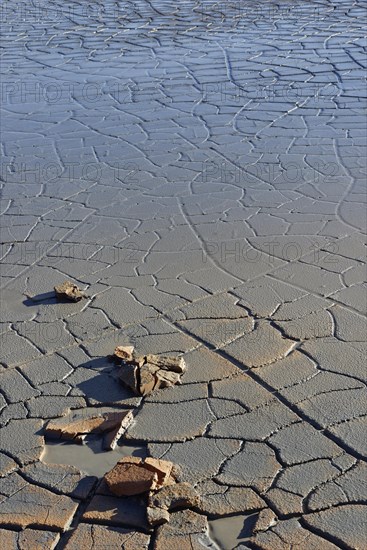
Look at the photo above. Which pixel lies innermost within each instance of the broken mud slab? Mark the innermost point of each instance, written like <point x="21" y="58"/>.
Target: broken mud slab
<point x="69" y="291"/>
<point x="78" y="424"/>
<point x="156" y="478"/>
<point x="145" y="374"/>
<point x="133" y="476"/>
<point x="176" y="496"/>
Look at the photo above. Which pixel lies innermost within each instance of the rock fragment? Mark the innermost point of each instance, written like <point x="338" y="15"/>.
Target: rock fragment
<point x="146" y="373"/>
<point x="77" y="425"/>
<point x="171" y="497"/>
<point x="162" y="468"/>
<point x="69" y="291"/>
<point x="157" y="516"/>
<point x="133" y="476"/>
<point x="124" y="352"/>
<point x="130" y="478"/>
<point x="167" y="362"/>
<point x="265" y="520"/>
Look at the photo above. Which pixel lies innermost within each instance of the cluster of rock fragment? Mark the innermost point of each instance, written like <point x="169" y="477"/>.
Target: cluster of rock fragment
<point x="158" y="479"/>
<point x="145" y="374"/>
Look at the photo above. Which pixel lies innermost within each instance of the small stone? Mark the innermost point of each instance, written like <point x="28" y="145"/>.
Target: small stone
<point x="112" y="437"/>
<point x="167" y="362"/>
<point x="69" y="291"/>
<point x="129" y="477"/>
<point x="138" y="360"/>
<point x="167" y="379"/>
<point x="129" y="376"/>
<point x="148" y="380"/>
<point x="124" y="352"/>
<point x="157" y="516"/>
<point x="171" y="497"/>
<point x="266" y="519"/>
<point x="162" y="468"/>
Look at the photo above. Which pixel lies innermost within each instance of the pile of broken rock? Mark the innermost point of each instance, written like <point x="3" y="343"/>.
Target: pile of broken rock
<point x="145" y="374"/>
<point x="156" y="478"/>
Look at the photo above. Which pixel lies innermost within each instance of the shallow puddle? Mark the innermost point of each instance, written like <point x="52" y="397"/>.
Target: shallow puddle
<point x="230" y="531"/>
<point x="90" y="457"/>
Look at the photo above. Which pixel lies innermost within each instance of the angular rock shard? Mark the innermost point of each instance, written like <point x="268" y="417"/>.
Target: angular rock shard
<point x="133" y="476"/>
<point x="146" y="373"/>
<point x="129" y="478"/>
<point x="69" y="291"/>
<point x="78" y="425"/>
<point x="171" y="497"/>
<point x="157" y="516"/>
<point x="265" y="520"/>
<point x="124" y="352"/>
<point x="167" y="362"/>
<point x="163" y="469"/>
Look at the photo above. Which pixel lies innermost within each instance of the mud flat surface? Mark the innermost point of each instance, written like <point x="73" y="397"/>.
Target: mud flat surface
<point x="199" y="171"/>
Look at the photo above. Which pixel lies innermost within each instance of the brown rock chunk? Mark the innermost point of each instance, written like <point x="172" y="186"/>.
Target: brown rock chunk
<point x="266" y="519"/>
<point x="146" y="373"/>
<point x="132" y="476"/>
<point x="167" y="362"/>
<point x="76" y="426"/>
<point x="129" y="376"/>
<point x="129" y="478"/>
<point x="148" y="379"/>
<point x="162" y="468"/>
<point x="69" y="291"/>
<point x="124" y="352"/>
<point x="167" y="379"/>
<point x="157" y="516"/>
<point x="139" y="360"/>
<point x="171" y="497"/>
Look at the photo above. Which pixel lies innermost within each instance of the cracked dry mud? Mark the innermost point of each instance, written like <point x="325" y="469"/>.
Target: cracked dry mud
<point x="199" y="169"/>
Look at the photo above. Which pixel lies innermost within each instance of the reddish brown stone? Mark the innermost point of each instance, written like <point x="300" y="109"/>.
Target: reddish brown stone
<point x="166" y="362"/>
<point x="146" y="373"/>
<point x="124" y="352"/>
<point x="148" y="379"/>
<point x="128" y="478"/>
<point x="69" y="291"/>
<point x="162" y="468"/>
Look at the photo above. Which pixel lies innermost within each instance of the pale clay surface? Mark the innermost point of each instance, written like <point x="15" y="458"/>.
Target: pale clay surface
<point x="198" y="169"/>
